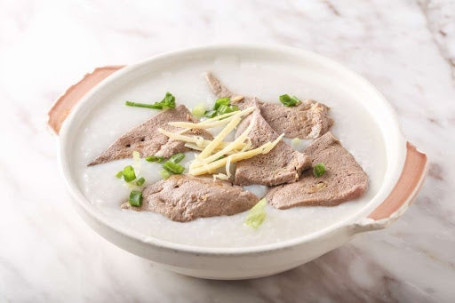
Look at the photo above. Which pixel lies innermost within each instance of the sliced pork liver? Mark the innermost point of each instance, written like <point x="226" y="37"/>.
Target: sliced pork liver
<point x="221" y="91"/>
<point x="147" y="140"/>
<point x="281" y="165"/>
<point x="184" y="198"/>
<point x="309" y="120"/>
<point x="344" y="178"/>
<point x="217" y="87"/>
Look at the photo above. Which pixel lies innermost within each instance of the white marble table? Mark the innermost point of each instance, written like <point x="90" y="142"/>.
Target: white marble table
<point x="47" y="254"/>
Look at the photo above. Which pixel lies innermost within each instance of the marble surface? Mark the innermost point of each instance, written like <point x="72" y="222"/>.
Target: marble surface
<point x="47" y="254"/>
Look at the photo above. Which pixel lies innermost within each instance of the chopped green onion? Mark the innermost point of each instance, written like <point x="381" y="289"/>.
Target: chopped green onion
<point x="173" y="168"/>
<point x="319" y="170"/>
<point x="177" y="157"/>
<point x="222" y="106"/>
<point x="199" y="110"/>
<point x="137" y="162"/>
<point x="167" y="102"/>
<point x="165" y="174"/>
<point x="296" y="142"/>
<point x="154" y="159"/>
<point x="136" y="155"/>
<point x="140" y="181"/>
<point x="136" y="104"/>
<point x="222" y="109"/>
<point x="135" y="198"/>
<point x="257" y="214"/>
<point x="225" y="109"/>
<point x="119" y="174"/>
<point x="289" y="101"/>
<point x="128" y="173"/>
<point x="222" y="101"/>
<point x="210" y="113"/>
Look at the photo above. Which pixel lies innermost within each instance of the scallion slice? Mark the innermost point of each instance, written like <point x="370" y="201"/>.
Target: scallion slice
<point x="135" y="198"/>
<point x="257" y="214"/>
<point x="173" y="168"/>
<point x="296" y="142"/>
<point x="165" y="174"/>
<point x="225" y="109"/>
<point x="222" y="106"/>
<point x="140" y="181"/>
<point x="289" y="101"/>
<point x="210" y="113"/>
<point x="167" y="102"/>
<point x="136" y="104"/>
<point x="222" y="101"/>
<point x="154" y="159"/>
<point x="128" y="173"/>
<point x="319" y="170"/>
<point x="199" y="110"/>
<point x="177" y="157"/>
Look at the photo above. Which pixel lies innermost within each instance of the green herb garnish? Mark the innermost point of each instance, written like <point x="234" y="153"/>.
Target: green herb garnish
<point x="289" y="101"/>
<point x="173" y="168"/>
<point x="177" y="157"/>
<point x="199" y="110"/>
<point x="222" y="101"/>
<point x="165" y="174"/>
<point x="296" y="142"/>
<point x="140" y="181"/>
<point x="319" y="170"/>
<point x="154" y="159"/>
<point x="225" y="109"/>
<point x="257" y="214"/>
<point x="128" y="173"/>
<point x="135" y="198"/>
<point x="167" y="102"/>
<point x="222" y="106"/>
<point x="210" y="113"/>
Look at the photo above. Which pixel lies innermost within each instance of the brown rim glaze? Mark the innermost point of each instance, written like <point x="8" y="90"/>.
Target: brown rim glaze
<point x="407" y="187"/>
<point x="71" y="97"/>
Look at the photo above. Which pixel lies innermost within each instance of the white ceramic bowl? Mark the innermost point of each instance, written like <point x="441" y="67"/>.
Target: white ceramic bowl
<point x="406" y="168"/>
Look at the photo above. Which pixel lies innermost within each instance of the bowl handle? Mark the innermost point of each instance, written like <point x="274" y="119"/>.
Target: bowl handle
<point x="402" y="195"/>
<point x="63" y="106"/>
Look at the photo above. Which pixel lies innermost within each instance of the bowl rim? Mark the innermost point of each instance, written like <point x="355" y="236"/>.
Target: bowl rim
<point x="93" y="211"/>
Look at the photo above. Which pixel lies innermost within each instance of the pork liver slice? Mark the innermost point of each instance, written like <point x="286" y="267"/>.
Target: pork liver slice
<point x="281" y="165"/>
<point x="343" y="180"/>
<point x="147" y="140"/>
<point x="308" y="120"/>
<point x="185" y="198"/>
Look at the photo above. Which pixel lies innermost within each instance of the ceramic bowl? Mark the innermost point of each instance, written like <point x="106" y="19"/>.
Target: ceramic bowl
<point x="406" y="168"/>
